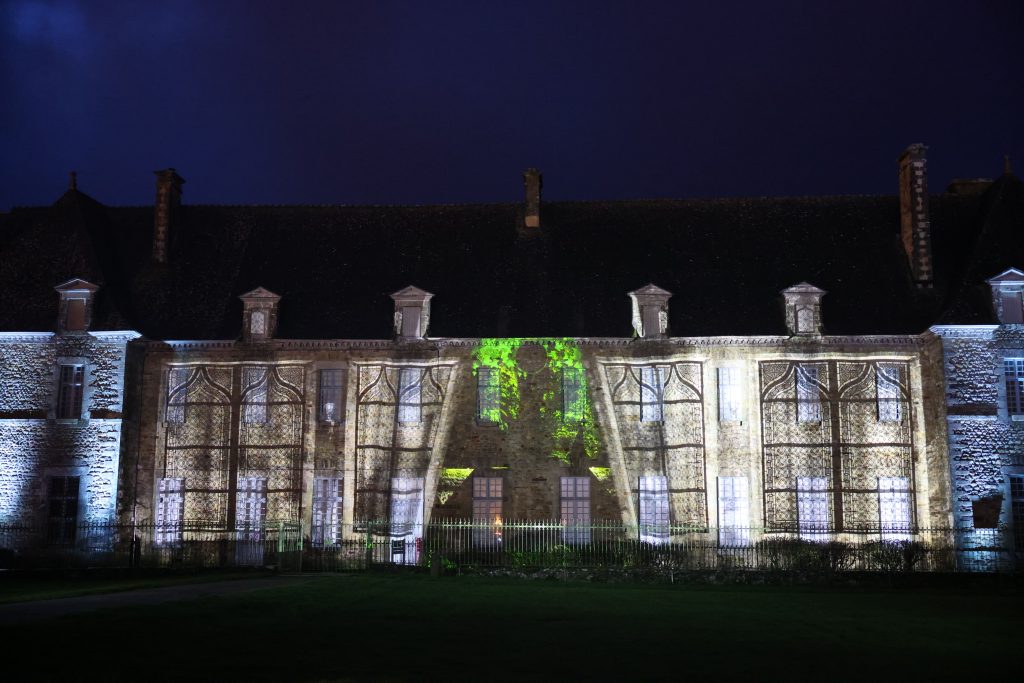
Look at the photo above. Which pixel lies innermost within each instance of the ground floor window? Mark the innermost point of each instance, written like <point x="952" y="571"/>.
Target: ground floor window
<point x="487" y="493"/>
<point x="894" y="508"/>
<point x="654" y="510"/>
<point x="327" y="510"/>
<point x="813" y="508"/>
<point x="733" y="511"/>
<point x="1017" y="510"/>
<point x="170" y="507"/>
<point x="406" y="518"/>
<point x="575" y="508"/>
<point x="62" y="510"/>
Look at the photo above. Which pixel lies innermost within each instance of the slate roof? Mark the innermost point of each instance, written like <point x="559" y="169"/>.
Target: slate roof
<point x="725" y="260"/>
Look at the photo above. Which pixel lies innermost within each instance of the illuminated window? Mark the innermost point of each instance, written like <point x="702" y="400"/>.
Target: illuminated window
<point x="488" y="394"/>
<point x="62" y="510"/>
<point x="250" y="520"/>
<point x="258" y="323"/>
<point x="332" y="395"/>
<point x="170" y="509"/>
<point x="254" y="403"/>
<point x="575" y="504"/>
<point x="406" y="518"/>
<point x="654" y="510"/>
<point x="652" y="391"/>
<point x="894" y="508"/>
<point x="887" y="391"/>
<point x="327" y="511"/>
<point x="729" y="394"/>
<point x="574" y="395"/>
<point x="812" y="508"/>
<point x="409" y="392"/>
<point x="733" y="511"/>
<point x="487" y="511"/>
<point x="177" y="395"/>
<point x="1017" y="510"/>
<point x="808" y="402"/>
<point x="1014" y="385"/>
<point x="69" y="391"/>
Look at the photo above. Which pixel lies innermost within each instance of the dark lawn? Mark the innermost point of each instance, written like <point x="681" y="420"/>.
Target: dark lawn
<point x="399" y="628"/>
<point x="26" y="588"/>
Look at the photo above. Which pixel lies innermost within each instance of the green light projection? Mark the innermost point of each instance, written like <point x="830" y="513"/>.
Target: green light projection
<point x="451" y="480"/>
<point x="565" y="407"/>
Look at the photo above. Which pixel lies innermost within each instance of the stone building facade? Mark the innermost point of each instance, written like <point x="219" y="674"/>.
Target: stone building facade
<point x="61" y="411"/>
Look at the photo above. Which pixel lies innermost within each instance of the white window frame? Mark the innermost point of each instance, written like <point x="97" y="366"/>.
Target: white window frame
<point x="733" y="511"/>
<point x="487" y="511"/>
<point x="730" y="393"/>
<point x="808" y="398"/>
<point x="814" y="514"/>
<point x="574" y="504"/>
<point x="895" y="516"/>
<point x="170" y="511"/>
<point x="654" y="510"/>
<point x="887" y="392"/>
<point x="410" y="395"/>
<point x="406" y="518"/>
<point x="652" y="393"/>
<point x="327" y="511"/>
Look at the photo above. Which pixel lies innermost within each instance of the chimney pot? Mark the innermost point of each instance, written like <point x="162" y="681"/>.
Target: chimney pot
<point x="534" y="181"/>
<point x="168" y="201"/>
<point x="915" y="224"/>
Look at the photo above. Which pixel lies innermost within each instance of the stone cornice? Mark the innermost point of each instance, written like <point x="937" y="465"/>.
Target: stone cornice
<point x="965" y="331"/>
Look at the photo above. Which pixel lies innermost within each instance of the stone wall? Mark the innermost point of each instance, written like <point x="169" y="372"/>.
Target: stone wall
<point x="35" y="446"/>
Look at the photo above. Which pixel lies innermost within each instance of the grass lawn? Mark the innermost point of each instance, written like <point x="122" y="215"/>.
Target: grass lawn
<point x="413" y="628"/>
<point x="19" y="589"/>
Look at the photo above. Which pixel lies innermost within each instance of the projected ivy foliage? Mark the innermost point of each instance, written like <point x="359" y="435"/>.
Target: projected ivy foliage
<point x="565" y="407"/>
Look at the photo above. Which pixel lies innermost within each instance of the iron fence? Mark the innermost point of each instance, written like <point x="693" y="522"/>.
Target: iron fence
<point x="516" y="544"/>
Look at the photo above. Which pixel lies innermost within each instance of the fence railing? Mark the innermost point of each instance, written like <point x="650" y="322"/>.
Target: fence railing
<point x="515" y="544"/>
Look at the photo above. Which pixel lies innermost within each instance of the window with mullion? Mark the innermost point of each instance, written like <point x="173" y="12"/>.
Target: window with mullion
<point x="1014" y="385"/>
<point x="575" y="509"/>
<point x="332" y="394"/>
<point x="487" y="502"/>
<point x="70" y="391"/>
<point x="170" y="510"/>
<point x="652" y="393"/>
<point x="813" y="514"/>
<point x="62" y="512"/>
<point x="654" y="518"/>
<point x="887" y="390"/>
<point x="808" y="399"/>
<point x="488" y="392"/>
<point x="574" y="395"/>
<point x="327" y="510"/>
<point x="410" y="382"/>
<point x="255" y="380"/>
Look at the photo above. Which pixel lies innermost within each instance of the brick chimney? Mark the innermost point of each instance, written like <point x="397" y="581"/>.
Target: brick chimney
<point x="168" y="201"/>
<point x="915" y="226"/>
<point x="533" y="181"/>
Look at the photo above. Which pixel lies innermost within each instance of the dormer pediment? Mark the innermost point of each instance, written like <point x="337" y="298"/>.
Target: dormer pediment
<point x="260" y="294"/>
<point x="1011" y="276"/>
<point x="651" y="289"/>
<point x="650" y="311"/>
<point x="74" y="313"/>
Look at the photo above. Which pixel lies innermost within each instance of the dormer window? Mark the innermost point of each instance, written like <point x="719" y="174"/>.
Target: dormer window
<point x="259" y="315"/>
<point x="803" y="309"/>
<point x="1008" y="297"/>
<point x="75" y="311"/>
<point x="412" y="313"/>
<point x="650" y="311"/>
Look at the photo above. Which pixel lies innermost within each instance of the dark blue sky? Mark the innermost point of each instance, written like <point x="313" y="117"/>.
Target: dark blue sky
<point x="437" y="102"/>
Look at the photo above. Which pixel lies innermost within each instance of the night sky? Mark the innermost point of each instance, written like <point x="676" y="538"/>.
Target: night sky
<point x="435" y="102"/>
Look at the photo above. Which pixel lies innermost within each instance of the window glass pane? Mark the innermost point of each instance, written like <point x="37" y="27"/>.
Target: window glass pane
<point x="69" y="391"/>
<point x="733" y="511"/>
<point x="652" y="384"/>
<point x="332" y="393"/>
<point x="808" y="401"/>
<point x="488" y="395"/>
<point x="487" y="493"/>
<point x="327" y="510"/>
<point x="1014" y="385"/>
<point x="894" y="508"/>
<point x="575" y="509"/>
<point x="574" y="395"/>
<point x="169" y="511"/>
<point x="654" y="510"/>
<point x="255" y="381"/>
<point x="62" y="509"/>
<point x="406" y="518"/>
<point x="729" y="394"/>
<point x="409" y="386"/>
<point x="812" y="508"/>
<point x="177" y="394"/>
<point x="887" y="389"/>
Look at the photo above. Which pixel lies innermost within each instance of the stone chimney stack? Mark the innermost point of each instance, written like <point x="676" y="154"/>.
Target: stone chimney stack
<point x="168" y="201"/>
<point x="534" y="182"/>
<point x="915" y="225"/>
